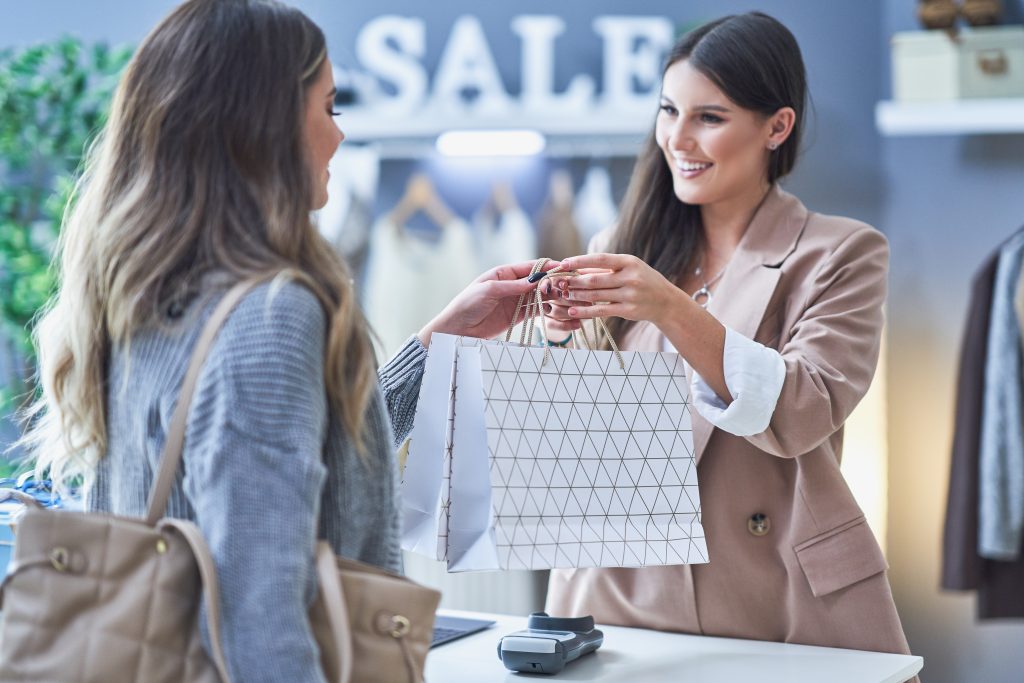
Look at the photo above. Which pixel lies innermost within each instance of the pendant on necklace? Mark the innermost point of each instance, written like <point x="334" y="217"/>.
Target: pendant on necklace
<point x="702" y="296"/>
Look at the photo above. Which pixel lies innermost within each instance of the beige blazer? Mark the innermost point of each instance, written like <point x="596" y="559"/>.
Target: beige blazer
<point x="791" y="556"/>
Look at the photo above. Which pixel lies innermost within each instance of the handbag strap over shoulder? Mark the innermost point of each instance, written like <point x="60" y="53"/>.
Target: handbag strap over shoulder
<point x="171" y="456"/>
<point x="337" y="613"/>
<point x="208" y="575"/>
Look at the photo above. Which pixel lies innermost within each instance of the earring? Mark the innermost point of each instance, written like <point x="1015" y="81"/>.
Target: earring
<point x="773" y="145"/>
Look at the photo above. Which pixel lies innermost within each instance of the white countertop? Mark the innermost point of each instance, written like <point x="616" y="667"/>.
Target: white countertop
<point x="642" y="656"/>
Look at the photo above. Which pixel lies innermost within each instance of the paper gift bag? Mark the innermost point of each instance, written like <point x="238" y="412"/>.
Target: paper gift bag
<point x="537" y="458"/>
<point x="555" y="458"/>
<point x="429" y="482"/>
<point x="426" y="473"/>
<point x="591" y="458"/>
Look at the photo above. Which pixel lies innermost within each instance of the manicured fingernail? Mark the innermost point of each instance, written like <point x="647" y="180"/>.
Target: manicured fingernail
<point x="536" y="277"/>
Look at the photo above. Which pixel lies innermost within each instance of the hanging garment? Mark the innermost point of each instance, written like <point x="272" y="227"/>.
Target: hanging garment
<point x="999" y="584"/>
<point x="453" y="265"/>
<point x="505" y="237"/>
<point x="595" y="209"/>
<point x="504" y="234"/>
<point x="410" y="280"/>
<point x="346" y="219"/>
<point x="1001" y="459"/>
<point x="557" y="234"/>
<point x="396" y="270"/>
<point x="1018" y="306"/>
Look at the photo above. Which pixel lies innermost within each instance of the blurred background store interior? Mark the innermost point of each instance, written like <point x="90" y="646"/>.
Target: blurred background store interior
<point x="945" y="202"/>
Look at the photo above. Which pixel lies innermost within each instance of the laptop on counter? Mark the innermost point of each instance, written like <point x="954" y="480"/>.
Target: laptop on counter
<point x="447" y="629"/>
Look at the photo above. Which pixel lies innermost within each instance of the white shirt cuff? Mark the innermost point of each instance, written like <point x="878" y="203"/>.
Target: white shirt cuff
<point x="754" y="375"/>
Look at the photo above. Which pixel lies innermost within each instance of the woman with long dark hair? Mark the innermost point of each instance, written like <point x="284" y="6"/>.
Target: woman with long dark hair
<point x="215" y="153"/>
<point x="777" y="311"/>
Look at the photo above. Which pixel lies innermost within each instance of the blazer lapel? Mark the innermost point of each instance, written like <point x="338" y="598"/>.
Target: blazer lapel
<point x="753" y="273"/>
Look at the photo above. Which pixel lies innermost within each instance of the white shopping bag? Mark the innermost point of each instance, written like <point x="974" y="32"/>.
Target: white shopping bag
<point x="547" y="458"/>
<point x="462" y="536"/>
<point x="425" y="477"/>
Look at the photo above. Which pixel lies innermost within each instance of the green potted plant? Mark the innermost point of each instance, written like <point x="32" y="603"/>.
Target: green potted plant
<point x="54" y="98"/>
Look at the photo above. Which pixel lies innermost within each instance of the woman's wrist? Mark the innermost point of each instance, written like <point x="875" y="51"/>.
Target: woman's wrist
<point x="676" y="308"/>
<point x="425" y="333"/>
<point x="562" y="343"/>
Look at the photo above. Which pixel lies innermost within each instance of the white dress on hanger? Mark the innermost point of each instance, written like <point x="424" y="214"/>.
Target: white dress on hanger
<point x="507" y="238"/>
<point x="557" y="234"/>
<point x="595" y="209"/>
<point x="410" y="280"/>
<point x="453" y="264"/>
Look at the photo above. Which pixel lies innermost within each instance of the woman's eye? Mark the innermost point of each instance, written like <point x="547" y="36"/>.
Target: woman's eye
<point x="669" y="109"/>
<point x="334" y="112"/>
<point x="711" y="118"/>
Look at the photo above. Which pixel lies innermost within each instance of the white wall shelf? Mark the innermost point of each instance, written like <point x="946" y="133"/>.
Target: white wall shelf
<point x="957" y="117"/>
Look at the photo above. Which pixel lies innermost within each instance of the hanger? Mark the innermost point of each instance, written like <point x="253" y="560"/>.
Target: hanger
<point x="501" y="200"/>
<point x="421" y="196"/>
<point x="560" y="190"/>
<point x="503" y="197"/>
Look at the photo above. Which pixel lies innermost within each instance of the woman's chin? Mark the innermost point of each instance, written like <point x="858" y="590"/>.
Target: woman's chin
<point x="691" y="195"/>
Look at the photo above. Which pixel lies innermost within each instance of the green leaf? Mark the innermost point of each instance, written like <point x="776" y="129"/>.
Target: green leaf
<point x="53" y="99"/>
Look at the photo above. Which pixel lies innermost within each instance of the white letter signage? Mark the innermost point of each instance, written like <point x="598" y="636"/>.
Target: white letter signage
<point x="467" y="64"/>
<point x="633" y="48"/>
<point x="402" y="68"/>
<point x="538" y="33"/>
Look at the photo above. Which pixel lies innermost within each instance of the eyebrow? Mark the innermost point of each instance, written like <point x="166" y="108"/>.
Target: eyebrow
<point x="702" y="107"/>
<point x="334" y="91"/>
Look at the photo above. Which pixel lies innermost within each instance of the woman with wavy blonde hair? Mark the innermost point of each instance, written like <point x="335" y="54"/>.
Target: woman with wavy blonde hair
<point x="215" y="153"/>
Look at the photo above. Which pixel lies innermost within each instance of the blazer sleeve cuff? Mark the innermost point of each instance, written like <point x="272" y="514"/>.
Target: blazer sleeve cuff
<point x="754" y="375"/>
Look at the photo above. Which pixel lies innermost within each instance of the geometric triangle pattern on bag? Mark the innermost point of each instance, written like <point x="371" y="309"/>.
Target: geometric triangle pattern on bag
<point x="591" y="465"/>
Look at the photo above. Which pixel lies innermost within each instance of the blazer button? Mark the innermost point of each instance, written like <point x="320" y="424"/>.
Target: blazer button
<point x="759" y="524"/>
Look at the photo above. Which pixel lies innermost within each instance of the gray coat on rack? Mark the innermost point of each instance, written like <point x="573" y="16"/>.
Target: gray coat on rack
<point x="1000" y="585"/>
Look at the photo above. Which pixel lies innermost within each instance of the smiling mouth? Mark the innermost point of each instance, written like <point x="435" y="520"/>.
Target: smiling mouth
<point x="691" y="169"/>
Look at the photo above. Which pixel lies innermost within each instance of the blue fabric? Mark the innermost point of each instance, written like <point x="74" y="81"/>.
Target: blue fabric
<point x="40" y="490"/>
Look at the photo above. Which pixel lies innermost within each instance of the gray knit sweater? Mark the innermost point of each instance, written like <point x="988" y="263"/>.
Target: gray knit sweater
<point x="267" y="468"/>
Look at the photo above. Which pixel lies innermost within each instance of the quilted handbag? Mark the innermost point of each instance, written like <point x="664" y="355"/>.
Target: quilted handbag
<point x="94" y="598"/>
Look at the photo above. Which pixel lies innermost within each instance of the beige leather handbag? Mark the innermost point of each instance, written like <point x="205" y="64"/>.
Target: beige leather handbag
<point x="92" y="598"/>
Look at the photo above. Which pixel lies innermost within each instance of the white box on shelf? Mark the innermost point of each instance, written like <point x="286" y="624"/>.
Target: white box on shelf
<point x="924" y="66"/>
<point x="980" y="62"/>
<point x="992" y="62"/>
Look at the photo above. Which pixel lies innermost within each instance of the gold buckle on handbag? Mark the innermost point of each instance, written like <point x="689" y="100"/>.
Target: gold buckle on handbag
<point x="399" y="626"/>
<point x="60" y="558"/>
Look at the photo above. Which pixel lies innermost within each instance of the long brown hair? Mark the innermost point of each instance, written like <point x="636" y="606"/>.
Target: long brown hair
<point x="756" y="62"/>
<point x="200" y="169"/>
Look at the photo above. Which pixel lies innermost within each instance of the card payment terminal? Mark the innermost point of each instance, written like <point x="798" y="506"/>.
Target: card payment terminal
<point x="549" y="643"/>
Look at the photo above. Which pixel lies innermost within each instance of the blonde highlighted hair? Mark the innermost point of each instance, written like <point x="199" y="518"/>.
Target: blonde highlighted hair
<point x="201" y="169"/>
